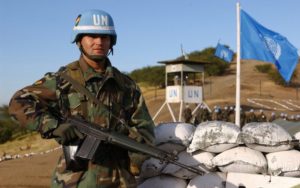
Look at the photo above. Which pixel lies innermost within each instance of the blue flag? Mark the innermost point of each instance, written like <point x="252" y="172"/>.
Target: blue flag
<point x="258" y="42"/>
<point x="224" y="53"/>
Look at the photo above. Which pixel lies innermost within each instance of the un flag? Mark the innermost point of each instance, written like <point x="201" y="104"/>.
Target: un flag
<point x="260" y="43"/>
<point x="224" y="53"/>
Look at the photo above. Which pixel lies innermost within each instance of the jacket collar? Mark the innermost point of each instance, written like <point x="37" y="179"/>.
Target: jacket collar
<point x="110" y="72"/>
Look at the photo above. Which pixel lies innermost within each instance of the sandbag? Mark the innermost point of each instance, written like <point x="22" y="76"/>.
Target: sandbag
<point x="284" y="163"/>
<point x="266" y="137"/>
<point x="151" y="167"/>
<point x="297" y="135"/>
<point x="242" y="160"/>
<point x="178" y="133"/>
<point x="171" y="147"/>
<point x="215" y="136"/>
<point x="211" y="180"/>
<point x="163" y="181"/>
<point x="201" y="158"/>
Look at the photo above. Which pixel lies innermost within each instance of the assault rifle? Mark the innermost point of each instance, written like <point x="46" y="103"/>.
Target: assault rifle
<point x="95" y="135"/>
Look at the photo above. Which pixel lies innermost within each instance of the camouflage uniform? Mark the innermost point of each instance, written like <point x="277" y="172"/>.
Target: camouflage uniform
<point x="206" y="115"/>
<point x="216" y="115"/>
<point x="231" y="116"/>
<point x="243" y="118"/>
<point x="40" y="106"/>
<point x="261" y="117"/>
<point x="250" y="117"/>
<point x="272" y="117"/>
<point x="225" y="114"/>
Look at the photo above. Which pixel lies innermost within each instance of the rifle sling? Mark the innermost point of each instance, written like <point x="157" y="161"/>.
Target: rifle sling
<point x="81" y="89"/>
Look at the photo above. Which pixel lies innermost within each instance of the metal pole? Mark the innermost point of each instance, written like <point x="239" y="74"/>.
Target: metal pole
<point x="160" y="109"/>
<point x="181" y="98"/>
<point x="238" y="69"/>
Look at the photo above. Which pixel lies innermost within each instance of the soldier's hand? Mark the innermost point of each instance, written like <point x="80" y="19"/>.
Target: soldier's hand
<point x="67" y="133"/>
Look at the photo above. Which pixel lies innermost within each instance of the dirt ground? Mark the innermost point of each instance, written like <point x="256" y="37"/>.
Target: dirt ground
<point x="35" y="171"/>
<point x="29" y="172"/>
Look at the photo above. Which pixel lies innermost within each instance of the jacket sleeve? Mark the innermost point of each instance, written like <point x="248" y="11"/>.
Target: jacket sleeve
<point x="141" y="118"/>
<point x="35" y="107"/>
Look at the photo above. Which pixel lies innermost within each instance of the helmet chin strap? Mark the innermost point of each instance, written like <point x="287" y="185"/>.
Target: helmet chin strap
<point x="96" y="58"/>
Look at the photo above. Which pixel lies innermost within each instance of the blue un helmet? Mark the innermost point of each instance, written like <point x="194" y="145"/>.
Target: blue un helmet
<point x="94" y="22"/>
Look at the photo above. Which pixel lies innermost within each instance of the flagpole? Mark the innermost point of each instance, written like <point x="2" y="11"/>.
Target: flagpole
<point x="238" y="69"/>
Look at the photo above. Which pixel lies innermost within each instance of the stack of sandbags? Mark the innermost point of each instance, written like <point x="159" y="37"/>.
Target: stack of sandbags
<point x="173" y="138"/>
<point x="221" y="147"/>
<point x="275" y="143"/>
<point x="224" y="140"/>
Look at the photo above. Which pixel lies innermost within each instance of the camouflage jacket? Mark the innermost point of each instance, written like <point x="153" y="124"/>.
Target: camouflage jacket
<point x="43" y="105"/>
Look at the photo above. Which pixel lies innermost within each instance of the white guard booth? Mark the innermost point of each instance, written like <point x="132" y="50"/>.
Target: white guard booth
<point x="184" y="85"/>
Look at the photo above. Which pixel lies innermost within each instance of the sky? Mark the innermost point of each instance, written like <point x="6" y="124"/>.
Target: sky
<point x="35" y="35"/>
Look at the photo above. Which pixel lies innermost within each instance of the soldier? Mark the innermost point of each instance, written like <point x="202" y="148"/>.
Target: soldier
<point x="251" y="117"/>
<point x="198" y="115"/>
<point x="202" y="115"/>
<point x="45" y="105"/>
<point x="243" y="117"/>
<point x="291" y="118"/>
<point x="187" y="112"/>
<point x="216" y="114"/>
<point x="225" y="114"/>
<point x="285" y="116"/>
<point x="261" y="117"/>
<point x="231" y="116"/>
<point x="272" y="117"/>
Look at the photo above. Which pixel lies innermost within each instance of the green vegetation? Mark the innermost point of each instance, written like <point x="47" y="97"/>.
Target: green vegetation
<point x="155" y="75"/>
<point x="9" y="129"/>
<point x="216" y="66"/>
<point x="152" y="76"/>
<point x="265" y="68"/>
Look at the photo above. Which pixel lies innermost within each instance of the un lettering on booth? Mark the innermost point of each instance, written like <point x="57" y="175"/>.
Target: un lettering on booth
<point x="193" y="94"/>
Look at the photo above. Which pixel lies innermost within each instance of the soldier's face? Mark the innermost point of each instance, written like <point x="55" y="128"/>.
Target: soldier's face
<point x="97" y="45"/>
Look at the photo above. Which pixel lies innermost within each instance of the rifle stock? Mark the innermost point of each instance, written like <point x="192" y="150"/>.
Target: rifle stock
<point x="95" y="135"/>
